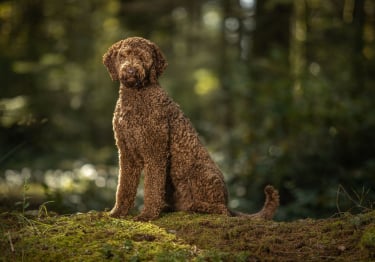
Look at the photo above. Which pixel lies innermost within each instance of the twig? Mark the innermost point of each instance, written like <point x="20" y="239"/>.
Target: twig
<point x="10" y="242"/>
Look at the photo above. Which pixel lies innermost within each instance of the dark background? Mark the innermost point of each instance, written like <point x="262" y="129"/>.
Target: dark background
<point x="281" y="92"/>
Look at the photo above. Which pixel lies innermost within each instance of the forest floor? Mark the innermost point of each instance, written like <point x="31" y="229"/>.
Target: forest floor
<point x="94" y="236"/>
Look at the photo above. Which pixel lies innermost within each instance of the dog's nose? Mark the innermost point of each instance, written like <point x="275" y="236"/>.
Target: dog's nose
<point x="130" y="70"/>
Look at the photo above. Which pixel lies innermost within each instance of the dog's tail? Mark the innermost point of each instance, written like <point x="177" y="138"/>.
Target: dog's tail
<point x="270" y="206"/>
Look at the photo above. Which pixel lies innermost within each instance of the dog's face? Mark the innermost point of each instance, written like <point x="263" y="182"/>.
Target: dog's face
<point x="135" y="61"/>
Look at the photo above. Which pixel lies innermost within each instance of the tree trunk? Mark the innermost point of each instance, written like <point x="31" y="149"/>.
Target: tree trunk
<point x="298" y="50"/>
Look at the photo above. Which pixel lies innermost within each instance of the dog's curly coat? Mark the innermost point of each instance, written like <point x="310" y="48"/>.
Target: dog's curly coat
<point x="153" y="135"/>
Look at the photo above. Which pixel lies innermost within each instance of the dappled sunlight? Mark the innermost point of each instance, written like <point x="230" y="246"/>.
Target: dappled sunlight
<point x="247" y="4"/>
<point x="211" y="19"/>
<point x="52" y="59"/>
<point x="206" y="81"/>
<point x="76" y="185"/>
<point x="24" y="67"/>
<point x="14" y="178"/>
<point x="12" y="110"/>
<point x="211" y="16"/>
<point x="314" y="68"/>
<point x="232" y="23"/>
<point x="58" y="179"/>
<point x="234" y="203"/>
<point x="88" y="171"/>
<point x="77" y="178"/>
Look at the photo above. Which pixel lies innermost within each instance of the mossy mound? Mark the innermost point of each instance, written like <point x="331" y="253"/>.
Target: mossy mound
<point x="185" y="237"/>
<point x="88" y="237"/>
<point x="344" y="238"/>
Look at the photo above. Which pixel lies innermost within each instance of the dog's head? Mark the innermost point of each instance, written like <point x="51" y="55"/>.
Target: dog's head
<point x="135" y="61"/>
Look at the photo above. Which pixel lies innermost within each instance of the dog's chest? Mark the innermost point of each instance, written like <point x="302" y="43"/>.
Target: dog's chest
<point x="138" y="123"/>
<point x="130" y="118"/>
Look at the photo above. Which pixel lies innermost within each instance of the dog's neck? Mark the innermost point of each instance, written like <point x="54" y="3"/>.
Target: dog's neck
<point x="126" y="92"/>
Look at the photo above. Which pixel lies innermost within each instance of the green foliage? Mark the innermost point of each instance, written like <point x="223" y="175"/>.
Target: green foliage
<point x="280" y="91"/>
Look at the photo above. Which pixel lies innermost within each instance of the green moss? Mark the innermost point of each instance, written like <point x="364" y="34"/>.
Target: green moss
<point x="225" y="238"/>
<point x="367" y="242"/>
<point x="184" y="237"/>
<point x="95" y="236"/>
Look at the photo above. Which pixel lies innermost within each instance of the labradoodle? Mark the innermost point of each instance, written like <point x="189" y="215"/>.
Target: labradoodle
<point x="154" y="136"/>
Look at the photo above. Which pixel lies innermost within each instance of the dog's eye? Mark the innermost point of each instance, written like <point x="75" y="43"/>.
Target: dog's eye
<point x="145" y="59"/>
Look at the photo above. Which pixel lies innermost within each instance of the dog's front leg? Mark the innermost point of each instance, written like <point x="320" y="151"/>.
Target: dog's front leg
<point x="154" y="190"/>
<point x="128" y="180"/>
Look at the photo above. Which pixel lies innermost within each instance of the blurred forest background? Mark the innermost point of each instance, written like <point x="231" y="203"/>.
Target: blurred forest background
<point x="281" y="92"/>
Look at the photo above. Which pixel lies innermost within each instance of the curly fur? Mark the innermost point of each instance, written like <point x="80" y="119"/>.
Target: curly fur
<point x="154" y="136"/>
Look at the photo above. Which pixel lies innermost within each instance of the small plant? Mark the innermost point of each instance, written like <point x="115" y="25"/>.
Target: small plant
<point x="359" y="200"/>
<point x="24" y="203"/>
<point x="43" y="212"/>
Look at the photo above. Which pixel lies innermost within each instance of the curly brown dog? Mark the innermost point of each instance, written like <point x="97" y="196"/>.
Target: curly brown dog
<point x="154" y="136"/>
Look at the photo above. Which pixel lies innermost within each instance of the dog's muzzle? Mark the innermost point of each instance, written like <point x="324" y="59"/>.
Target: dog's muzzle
<point x="130" y="76"/>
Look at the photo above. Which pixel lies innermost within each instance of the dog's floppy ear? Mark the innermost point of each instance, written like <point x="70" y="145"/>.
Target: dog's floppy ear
<point x="109" y="60"/>
<point x="159" y="63"/>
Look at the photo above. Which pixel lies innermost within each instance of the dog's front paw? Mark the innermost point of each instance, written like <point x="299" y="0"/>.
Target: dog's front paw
<point x="118" y="212"/>
<point x="144" y="217"/>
